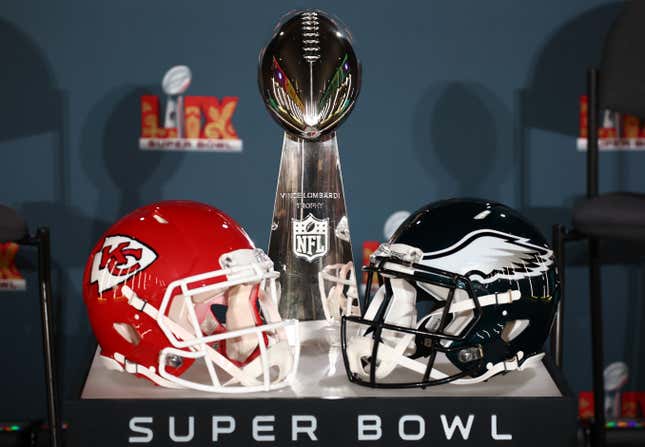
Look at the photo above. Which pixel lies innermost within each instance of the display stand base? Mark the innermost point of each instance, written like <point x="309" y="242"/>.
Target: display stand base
<point x="528" y="408"/>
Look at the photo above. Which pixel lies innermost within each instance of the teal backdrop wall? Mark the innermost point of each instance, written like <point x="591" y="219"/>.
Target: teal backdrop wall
<point x="460" y="98"/>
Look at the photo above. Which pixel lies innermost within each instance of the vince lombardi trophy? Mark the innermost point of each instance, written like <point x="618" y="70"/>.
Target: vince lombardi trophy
<point x="175" y="83"/>
<point x="309" y="78"/>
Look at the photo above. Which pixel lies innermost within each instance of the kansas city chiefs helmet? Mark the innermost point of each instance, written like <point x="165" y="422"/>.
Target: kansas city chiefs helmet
<point x="468" y="290"/>
<point x="177" y="293"/>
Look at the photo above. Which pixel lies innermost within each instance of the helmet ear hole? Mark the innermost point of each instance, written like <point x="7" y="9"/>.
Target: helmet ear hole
<point x="127" y="332"/>
<point x="512" y="329"/>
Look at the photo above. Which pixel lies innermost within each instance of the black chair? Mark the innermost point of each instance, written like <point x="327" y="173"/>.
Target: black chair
<point x="13" y="228"/>
<point x="619" y="85"/>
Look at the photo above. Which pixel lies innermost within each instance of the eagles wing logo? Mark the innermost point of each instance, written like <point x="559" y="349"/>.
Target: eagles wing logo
<point x="489" y="255"/>
<point x="119" y="259"/>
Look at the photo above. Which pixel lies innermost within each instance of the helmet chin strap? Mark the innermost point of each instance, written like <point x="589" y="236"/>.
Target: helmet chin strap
<point x="392" y="354"/>
<point x="255" y="368"/>
<point x="390" y="357"/>
<point x="246" y="375"/>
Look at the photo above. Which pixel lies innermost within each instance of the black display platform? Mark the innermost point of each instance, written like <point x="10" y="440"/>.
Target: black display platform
<point x="528" y="408"/>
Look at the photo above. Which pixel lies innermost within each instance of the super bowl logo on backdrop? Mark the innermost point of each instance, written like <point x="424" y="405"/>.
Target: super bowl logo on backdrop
<point x="310" y="237"/>
<point x="10" y="277"/>
<point x="193" y="123"/>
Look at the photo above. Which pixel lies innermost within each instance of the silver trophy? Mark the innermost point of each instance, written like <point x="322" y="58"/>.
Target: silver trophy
<point x="174" y="84"/>
<point x="615" y="375"/>
<point x="309" y="78"/>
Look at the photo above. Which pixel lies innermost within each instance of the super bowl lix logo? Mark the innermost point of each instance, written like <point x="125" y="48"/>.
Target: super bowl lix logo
<point x="10" y="277"/>
<point x="119" y="258"/>
<point x="310" y="237"/>
<point x="192" y="123"/>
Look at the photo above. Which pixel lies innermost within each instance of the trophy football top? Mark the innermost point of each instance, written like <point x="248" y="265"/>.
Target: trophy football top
<point x="309" y="76"/>
<point x="176" y="80"/>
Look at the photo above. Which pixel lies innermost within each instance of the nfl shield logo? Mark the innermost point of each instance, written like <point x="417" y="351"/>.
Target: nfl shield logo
<point x="310" y="237"/>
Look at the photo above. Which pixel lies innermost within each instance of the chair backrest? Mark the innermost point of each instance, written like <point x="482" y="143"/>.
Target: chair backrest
<point x="619" y="84"/>
<point x="622" y="67"/>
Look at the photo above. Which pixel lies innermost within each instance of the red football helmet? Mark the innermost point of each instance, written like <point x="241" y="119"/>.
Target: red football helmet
<point x="178" y="284"/>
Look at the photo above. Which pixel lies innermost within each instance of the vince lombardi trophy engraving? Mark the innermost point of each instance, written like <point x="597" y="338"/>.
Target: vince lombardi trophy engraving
<point x="309" y="78"/>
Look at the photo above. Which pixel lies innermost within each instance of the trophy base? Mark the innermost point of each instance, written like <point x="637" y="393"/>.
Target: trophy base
<point x="332" y="333"/>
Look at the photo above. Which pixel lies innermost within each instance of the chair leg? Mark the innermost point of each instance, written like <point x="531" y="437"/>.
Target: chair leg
<point x="557" y="335"/>
<point x="598" y="429"/>
<point x="44" y="279"/>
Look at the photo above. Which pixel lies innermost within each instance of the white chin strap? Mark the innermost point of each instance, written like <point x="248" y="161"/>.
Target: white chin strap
<point x="389" y="358"/>
<point x="392" y="351"/>
<point x="277" y="356"/>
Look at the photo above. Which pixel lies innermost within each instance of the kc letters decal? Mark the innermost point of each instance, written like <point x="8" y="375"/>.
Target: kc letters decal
<point x="119" y="259"/>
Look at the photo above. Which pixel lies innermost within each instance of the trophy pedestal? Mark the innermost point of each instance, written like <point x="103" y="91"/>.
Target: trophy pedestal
<point x="309" y="230"/>
<point x="534" y="407"/>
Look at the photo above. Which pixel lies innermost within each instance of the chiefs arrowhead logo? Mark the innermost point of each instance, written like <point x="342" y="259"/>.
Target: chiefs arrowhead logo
<point x="120" y="258"/>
